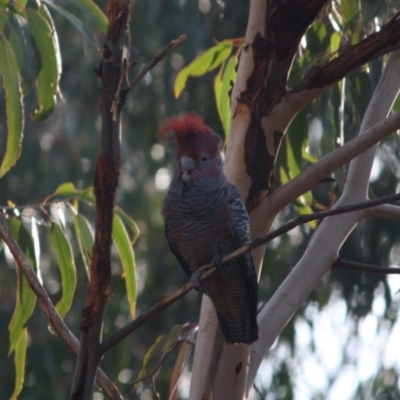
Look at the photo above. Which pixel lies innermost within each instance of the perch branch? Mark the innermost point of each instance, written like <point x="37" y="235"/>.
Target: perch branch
<point x="339" y="263"/>
<point x="119" y="335"/>
<point x="313" y="174"/>
<point x="155" y="60"/>
<point x="47" y="306"/>
<point x="386" y="211"/>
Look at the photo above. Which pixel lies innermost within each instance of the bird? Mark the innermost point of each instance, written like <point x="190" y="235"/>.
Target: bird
<point x="206" y="219"/>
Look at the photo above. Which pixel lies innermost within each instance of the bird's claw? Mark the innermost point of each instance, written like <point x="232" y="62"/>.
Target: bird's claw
<point x="195" y="279"/>
<point x="196" y="275"/>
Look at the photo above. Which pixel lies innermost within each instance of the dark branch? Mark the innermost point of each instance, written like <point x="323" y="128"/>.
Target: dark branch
<point x="155" y="60"/>
<point x="112" y="75"/>
<point x="351" y="57"/>
<point x="118" y="336"/>
<point x="47" y="306"/>
<point x="339" y="263"/>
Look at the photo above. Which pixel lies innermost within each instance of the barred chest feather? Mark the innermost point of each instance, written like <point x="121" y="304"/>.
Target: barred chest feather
<point x="199" y="221"/>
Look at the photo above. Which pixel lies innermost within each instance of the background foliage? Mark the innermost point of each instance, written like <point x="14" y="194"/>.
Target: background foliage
<point x="63" y="148"/>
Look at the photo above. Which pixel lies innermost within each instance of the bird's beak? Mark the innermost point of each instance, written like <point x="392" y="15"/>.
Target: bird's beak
<point x="188" y="165"/>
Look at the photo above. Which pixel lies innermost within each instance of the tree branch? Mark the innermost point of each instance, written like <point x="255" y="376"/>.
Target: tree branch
<point x="339" y="263"/>
<point x="351" y="57"/>
<point x="385" y="211"/>
<point x="47" y="306"/>
<point x="112" y="74"/>
<point x="118" y="336"/>
<point x="155" y="60"/>
<point x="313" y="174"/>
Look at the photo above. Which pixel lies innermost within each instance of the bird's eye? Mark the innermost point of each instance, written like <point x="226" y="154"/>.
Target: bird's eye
<point x="204" y="158"/>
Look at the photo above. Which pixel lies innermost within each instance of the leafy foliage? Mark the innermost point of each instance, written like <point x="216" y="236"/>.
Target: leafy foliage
<point x="30" y="59"/>
<point x="220" y="56"/>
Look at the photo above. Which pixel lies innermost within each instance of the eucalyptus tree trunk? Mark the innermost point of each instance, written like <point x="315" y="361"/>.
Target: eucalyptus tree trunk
<point x="262" y="109"/>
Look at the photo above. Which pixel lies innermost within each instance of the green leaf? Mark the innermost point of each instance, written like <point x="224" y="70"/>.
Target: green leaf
<point x="66" y="264"/>
<point x="14" y="107"/>
<point x="293" y="160"/>
<point x="361" y="90"/>
<point x="92" y="9"/>
<point x="17" y="6"/>
<point x="45" y="39"/>
<point x="85" y="237"/>
<point x="303" y="206"/>
<point x="68" y="190"/>
<point x="124" y="247"/>
<point x="163" y="344"/>
<point x="284" y="176"/>
<point x="206" y="62"/>
<point x="350" y="10"/>
<point x="218" y="91"/>
<point x="296" y="137"/>
<point x="12" y="28"/>
<point x="336" y="39"/>
<point x="7" y="29"/>
<point x="76" y="22"/>
<point x="25" y="297"/>
<point x="222" y="87"/>
<point x="45" y="13"/>
<point x="129" y="223"/>
<point x="396" y="105"/>
<point x="24" y="307"/>
<point x="20" y="362"/>
<point x="318" y="40"/>
<point x="306" y="155"/>
<point x="24" y="239"/>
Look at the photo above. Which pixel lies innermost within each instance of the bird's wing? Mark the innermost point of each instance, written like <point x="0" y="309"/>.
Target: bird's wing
<point x="174" y="248"/>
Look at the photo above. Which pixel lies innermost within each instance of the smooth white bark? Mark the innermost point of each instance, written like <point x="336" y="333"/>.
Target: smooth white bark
<point x="332" y="232"/>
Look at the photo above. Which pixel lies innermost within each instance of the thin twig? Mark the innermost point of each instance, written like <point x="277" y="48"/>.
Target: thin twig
<point x="155" y="60"/>
<point x="35" y="205"/>
<point x="48" y="308"/>
<point x="163" y="358"/>
<point x="339" y="263"/>
<point x="385" y="211"/>
<point x="352" y="57"/>
<point x="308" y="218"/>
<point x="119" y="335"/>
<point x="115" y="107"/>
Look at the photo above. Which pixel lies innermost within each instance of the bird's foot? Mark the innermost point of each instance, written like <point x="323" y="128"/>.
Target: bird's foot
<point x="195" y="279"/>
